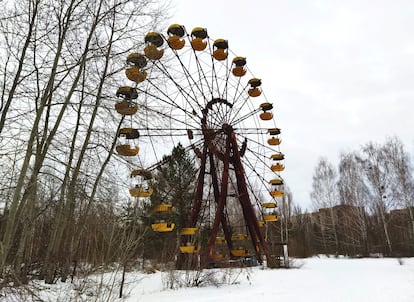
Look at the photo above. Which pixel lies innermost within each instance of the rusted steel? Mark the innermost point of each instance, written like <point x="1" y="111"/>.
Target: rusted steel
<point x="248" y="210"/>
<point x="190" y="261"/>
<point x="216" y="192"/>
<point x="198" y="196"/>
<point x="221" y="201"/>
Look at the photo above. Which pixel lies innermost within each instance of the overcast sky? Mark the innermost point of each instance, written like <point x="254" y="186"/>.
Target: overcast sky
<point x="339" y="73"/>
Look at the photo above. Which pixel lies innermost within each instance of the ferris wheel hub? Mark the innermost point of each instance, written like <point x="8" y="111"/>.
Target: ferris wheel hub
<point x="227" y="128"/>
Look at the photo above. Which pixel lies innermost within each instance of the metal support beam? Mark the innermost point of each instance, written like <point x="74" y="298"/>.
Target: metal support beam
<point x="248" y="210"/>
<point x="221" y="200"/>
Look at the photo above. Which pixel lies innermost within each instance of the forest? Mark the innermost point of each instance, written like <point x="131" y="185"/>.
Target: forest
<point x="62" y="200"/>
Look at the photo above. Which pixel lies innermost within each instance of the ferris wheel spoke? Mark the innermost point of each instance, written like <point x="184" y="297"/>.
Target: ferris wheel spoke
<point x="245" y="117"/>
<point x="262" y="145"/>
<point x="253" y="168"/>
<point x="236" y="109"/>
<point x="202" y="78"/>
<point x="170" y="117"/>
<point x="251" y="187"/>
<point x="190" y="96"/>
<point x="214" y="77"/>
<point x="225" y="114"/>
<point x="261" y="159"/>
<point x="227" y="81"/>
<point x="161" y="162"/>
<point x="240" y="95"/>
<point x="182" y="91"/>
<point x="217" y="119"/>
<point x="192" y="83"/>
<point x="167" y="100"/>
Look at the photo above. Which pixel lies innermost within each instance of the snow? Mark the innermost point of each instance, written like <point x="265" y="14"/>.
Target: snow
<point x="315" y="279"/>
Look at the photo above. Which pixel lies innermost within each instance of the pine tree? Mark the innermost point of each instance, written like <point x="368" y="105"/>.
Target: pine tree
<point x="173" y="184"/>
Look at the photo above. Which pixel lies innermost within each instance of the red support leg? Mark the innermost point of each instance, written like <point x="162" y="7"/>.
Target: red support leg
<point x="221" y="200"/>
<point x="248" y="210"/>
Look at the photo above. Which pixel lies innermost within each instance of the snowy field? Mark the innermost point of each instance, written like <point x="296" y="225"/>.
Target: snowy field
<point x="318" y="279"/>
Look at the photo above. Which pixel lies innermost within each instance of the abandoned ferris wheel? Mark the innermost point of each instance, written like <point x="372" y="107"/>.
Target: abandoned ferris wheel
<point x="207" y="95"/>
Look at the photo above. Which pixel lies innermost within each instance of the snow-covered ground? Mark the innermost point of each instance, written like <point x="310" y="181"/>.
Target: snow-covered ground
<point x="318" y="279"/>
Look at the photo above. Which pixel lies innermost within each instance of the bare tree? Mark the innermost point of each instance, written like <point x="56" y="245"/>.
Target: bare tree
<point x="60" y="74"/>
<point x="324" y="197"/>
<point x="354" y="194"/>
<point x="402" y="188"/>
<point x="376" y="168"/>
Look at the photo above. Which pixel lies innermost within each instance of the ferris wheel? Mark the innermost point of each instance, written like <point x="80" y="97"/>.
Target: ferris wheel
<point x="193" y="90"/>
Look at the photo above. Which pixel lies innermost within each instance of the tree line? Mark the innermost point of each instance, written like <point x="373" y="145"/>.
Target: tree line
<point x="364" y="206"/>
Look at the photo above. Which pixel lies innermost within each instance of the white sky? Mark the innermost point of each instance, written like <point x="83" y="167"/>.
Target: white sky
<point x="339" y="73"/>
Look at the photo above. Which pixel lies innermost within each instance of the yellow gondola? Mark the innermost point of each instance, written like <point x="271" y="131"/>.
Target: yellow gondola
<point x="265" y="116"/>
<point x="126" y="108"/>
<point x="274" y="141"/>
<point x="220" y="240"/>
<point x="128" y="133"/>
<point x="188" y="231"/>
<point x="175" y="33"/>
<point x="126" y="150"/>
<point x="254" y="90"/>
<point x="145" y="174"/>
<point x="240" y="252"/>
<point x="239" y="70"/>
<point x="176" y="30"/>
<point x="273" y="131"/>
<point x="162" y="227"/>
<point x="266" y="106"/>
<point x="163" y="207"/>
<point x="269" y="205"/>
<point x="277" y="156"/>
<point x="277" y="168"/>
<point x="137" y="60"/>
<point x="276" y="182"/>
<point x="175" y="42"/>
<point x="198" y="44"/>
<point x="135" y="74"/>
<point x="276" y="193"/>
<point x="220" y="49"/>
<point x="220" y="54"/>
<point x="154" y="38"/>
<point x="255" y="82"/>
<point x="188" y="249"/>
<point x="140" y="192"/>
<point x="127" y="92"/>
<point x="153" y="53"/>
<point x="239" y="237"/>
<point x="270" y="217"/>
<point x="199" y="34"/>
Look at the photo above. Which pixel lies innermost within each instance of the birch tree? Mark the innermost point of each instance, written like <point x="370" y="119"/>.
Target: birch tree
<point x="354" y="193"/>
<point x="377" y="168"/>
<point x="402" y="186"/>
<point x="324" y="197"/>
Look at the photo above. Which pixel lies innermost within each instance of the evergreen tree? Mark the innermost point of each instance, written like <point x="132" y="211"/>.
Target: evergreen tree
<point x="174" y="183"/>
